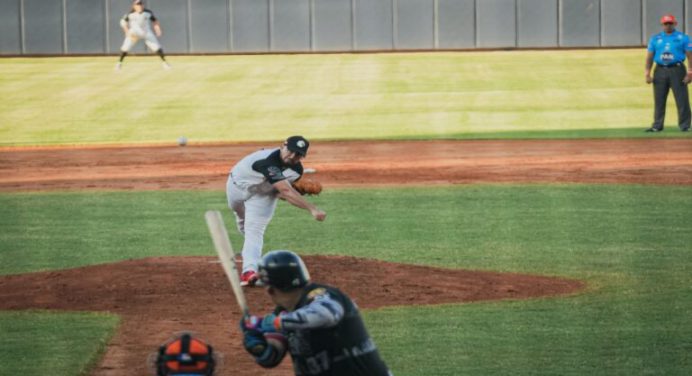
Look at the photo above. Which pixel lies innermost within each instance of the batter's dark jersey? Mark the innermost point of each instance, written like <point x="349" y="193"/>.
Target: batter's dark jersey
<point x="344" y="349"/>
<point x="272" y="167"/>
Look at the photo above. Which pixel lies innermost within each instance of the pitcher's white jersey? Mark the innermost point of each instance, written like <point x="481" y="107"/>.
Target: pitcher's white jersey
<point x="249" y="173"/>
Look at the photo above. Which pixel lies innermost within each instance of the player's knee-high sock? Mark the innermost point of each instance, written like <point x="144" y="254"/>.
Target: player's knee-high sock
<point x="160" y="53"/>
<point x="122" y="55"/>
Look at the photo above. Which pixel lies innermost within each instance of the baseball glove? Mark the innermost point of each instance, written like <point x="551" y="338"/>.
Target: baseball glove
<point x="307" y="187"/>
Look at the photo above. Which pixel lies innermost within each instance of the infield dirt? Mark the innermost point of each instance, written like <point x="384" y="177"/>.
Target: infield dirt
<point x="159" y="296"/>
<point x="338" y="164"/>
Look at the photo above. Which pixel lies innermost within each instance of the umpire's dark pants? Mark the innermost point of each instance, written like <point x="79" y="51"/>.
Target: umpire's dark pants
<point x="666" y="78"/>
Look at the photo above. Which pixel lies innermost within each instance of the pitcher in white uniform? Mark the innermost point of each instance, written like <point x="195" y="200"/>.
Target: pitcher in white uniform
<point x="254" y="185"/>
<point x="137" y="24"/>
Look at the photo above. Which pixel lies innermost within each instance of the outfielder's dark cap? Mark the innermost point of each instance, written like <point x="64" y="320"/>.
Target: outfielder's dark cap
<point x="298" y="144"/>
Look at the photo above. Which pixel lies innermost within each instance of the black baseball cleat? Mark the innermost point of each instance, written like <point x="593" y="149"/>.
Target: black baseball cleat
<point x="685" y="130"/>
<point x="653" y="130"/>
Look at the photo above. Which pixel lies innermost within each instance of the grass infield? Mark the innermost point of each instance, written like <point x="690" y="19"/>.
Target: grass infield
<point x="629" y="243"/>
<point x="517" y="94"/>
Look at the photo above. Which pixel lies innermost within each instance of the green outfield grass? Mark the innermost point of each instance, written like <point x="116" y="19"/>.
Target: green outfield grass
<point x="56" y="344"/>
<point x="629" y="243"/>
<point x="593" y="93"/>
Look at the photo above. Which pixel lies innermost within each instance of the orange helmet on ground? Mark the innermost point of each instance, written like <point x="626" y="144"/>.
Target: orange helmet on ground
<point x="185" y="355"/>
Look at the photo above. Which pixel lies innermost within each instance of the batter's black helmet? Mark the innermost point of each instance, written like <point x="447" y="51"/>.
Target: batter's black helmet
<point x="283" y="270"/>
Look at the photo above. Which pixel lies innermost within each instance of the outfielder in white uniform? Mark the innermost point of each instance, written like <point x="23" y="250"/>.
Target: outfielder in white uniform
<point x="254" y="185"/>
<point x="137" y="24"/>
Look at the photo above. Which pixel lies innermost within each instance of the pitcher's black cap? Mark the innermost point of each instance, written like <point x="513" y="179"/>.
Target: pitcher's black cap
<point x="298" y="144"/>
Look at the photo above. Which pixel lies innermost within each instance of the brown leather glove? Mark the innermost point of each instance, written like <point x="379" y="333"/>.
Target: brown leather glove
<point x="306" y="186"/>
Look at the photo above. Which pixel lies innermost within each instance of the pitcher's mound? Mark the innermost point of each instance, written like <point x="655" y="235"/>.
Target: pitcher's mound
<point x="157" y="297"/>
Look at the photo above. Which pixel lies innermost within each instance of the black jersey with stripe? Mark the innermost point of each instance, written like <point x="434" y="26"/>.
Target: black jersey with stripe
<point x="327" y="337"/>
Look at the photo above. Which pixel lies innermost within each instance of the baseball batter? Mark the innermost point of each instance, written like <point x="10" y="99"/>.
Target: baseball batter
<point x="137" y="24"/>
<point x="324" y="332"/>
<point x="254" y="185"/>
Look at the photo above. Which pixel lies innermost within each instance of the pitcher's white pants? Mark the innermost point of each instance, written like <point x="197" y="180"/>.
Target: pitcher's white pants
<point x="253" y="212"/>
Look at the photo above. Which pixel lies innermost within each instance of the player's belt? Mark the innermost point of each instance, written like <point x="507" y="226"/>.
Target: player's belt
<point x="243" y="187"/>
<point x="669" y="65"/>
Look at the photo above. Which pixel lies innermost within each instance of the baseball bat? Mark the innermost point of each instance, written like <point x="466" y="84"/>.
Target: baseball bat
<point x="217" y="229"/>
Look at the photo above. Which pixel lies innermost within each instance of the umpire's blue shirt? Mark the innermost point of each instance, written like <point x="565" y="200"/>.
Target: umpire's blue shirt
<point x="669" y="49"/>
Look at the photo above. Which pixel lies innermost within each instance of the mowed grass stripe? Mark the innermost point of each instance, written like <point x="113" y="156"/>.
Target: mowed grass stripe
<point x="336" y="96"/>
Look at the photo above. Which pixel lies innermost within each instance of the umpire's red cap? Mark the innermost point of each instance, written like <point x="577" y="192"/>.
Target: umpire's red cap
<point x="668" y="18"/>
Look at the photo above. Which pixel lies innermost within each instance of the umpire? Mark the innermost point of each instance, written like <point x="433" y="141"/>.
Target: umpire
<point x="669" y="49"/>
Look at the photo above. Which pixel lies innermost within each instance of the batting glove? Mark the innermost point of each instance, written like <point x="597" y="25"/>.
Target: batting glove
<point x="268" y="324"/>
<point x="254" y="342"/>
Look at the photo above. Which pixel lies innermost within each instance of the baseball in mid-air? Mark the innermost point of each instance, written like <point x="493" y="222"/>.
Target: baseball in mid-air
<point x="182" y="141"/>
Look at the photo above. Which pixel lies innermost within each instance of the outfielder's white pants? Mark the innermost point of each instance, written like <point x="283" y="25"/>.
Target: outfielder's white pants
<point x="149" y="39"/>
<point x="253" y="212"/>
